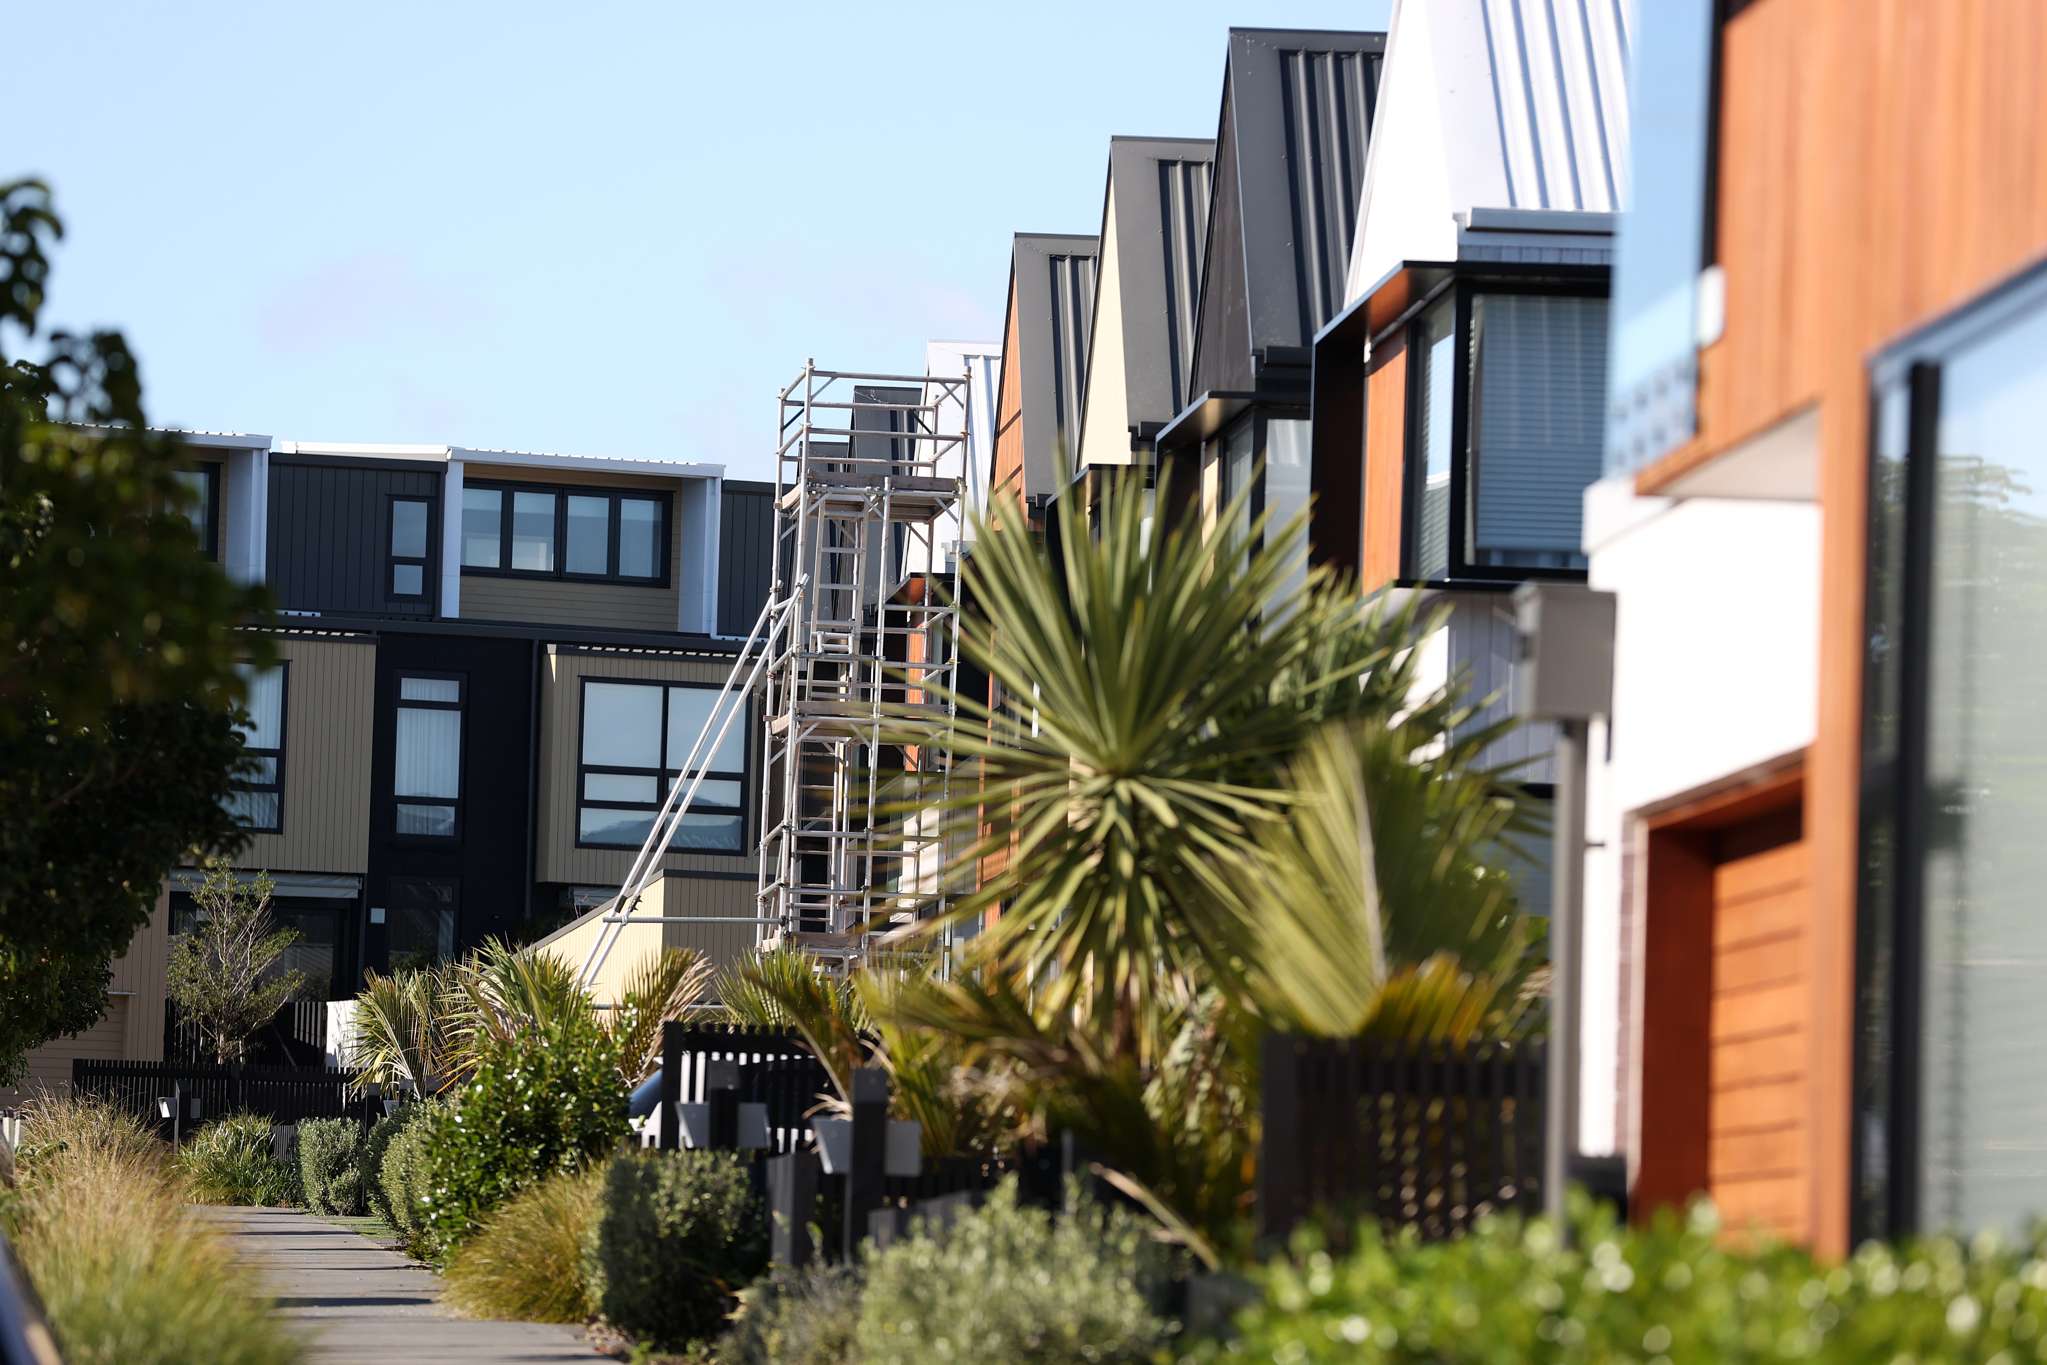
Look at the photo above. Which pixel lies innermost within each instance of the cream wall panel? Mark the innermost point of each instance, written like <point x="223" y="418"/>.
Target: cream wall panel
<point x="329" y="732"/>
<point x="545" y="601"/>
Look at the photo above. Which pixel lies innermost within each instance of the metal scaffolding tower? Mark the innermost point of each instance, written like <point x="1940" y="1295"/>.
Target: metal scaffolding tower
<point x="853" y="661"/>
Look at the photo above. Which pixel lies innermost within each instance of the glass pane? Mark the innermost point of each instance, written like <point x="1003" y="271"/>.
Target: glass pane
<point x="619" y="828"/>
<point x="256" y="810"/>
<point x="264" y="728"/>
<point x="712" y="792"/>
<point x="315" y="951"/>
<point x="420" y="920"/>
<point x="1239" y="454"/>
<point x="1661" y="247"/>
<point x="429" y="689"/>
<point x="1984" y="1003"/>
<point x="711" y="833"/>
<point x="639" y="526"/>
<point x="259" y="771"/>
<point x="1537" y="426"/>
<point x="622" y="725"/>
<point x="198" y="509"/>
<point x="436" y="822"/>
<point x="429" y="753"/>
<point x="482" y="520"/>
<point x="589" y="549"/>
<point x="408" y="580"/>
<point x="688" y="710"/>
<point x="1437" y="356"/>
<point x="1286" y="489"/>
<point x="533" y="531"/>
<point x="620" y="787"/>
<point x="408" y="529"/>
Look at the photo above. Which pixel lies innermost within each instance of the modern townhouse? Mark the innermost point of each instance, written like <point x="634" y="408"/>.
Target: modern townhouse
<point x="491" y="666"/>
<point x="1821" y="518"/>
<point x="1046" y="325"/>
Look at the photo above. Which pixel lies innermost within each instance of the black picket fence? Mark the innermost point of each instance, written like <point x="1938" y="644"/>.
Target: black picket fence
<point x="775" y="1068"/>
<point x="282" y="1094"/>
<point x="1426" y="1137"/>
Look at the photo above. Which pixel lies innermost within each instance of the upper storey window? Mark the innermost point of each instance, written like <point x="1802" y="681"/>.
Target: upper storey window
<point x="203" y="506"/>
<point x="581" y="533"/>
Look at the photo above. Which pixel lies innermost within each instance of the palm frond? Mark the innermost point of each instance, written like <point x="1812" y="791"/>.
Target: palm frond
<point x="660" y="988"/>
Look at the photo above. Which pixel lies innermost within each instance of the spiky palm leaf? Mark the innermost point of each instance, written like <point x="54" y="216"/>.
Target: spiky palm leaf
<point x="499" y="992"/>
<point x="784" y="988"/>
<point x="399" y="1032"/>
<point x="660" y="988"/>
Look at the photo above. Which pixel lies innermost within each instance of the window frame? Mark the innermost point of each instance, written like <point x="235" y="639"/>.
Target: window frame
<point x="276" y="755"/>
<point x="664" y="776"/>
<point x="393" y="882"/>
<point x="662" y="501"/>
<point x="1459" y="291"/>
<point x="392" y="559"/>
<point x="209" y="473"/>
<point x="400" y="702"/>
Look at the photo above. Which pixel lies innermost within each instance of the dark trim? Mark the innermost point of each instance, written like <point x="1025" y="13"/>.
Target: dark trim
<point x="283" y="667"/>
<point x="388" y="813"/>
<point x="664" y="777"/>
<point x="664" y="548"/>
<point x="1458" y="514"/>
<point x="435" y="467"/>
<point x="568" y="639"/>
<point x="393" y="560"/>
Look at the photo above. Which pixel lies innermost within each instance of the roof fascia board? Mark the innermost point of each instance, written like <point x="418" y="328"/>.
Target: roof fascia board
<point x="657" y="469"/>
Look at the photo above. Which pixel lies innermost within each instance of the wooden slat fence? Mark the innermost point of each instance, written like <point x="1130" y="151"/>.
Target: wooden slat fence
<point x="283" y="1094"/>
<point x="776" y="1068"/>
<point x="1424" y="1137"/>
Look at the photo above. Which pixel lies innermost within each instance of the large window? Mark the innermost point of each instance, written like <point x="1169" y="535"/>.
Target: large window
<point x="1951" y="1083"/>
<point x="426" y="778"/>
<point x="202" y="505"/>
<point x="257" y="799"/>
<point x="421" y="917"/>
<point x="637" y="738"/>
<point x="565" y="533"/>
<point x="410" y="528"/>
<point x="1505" y="407"/>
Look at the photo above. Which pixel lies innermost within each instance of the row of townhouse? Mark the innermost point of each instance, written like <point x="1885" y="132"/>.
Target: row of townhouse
<point x="1780" y="408"/>
<point x="490" y="666"/>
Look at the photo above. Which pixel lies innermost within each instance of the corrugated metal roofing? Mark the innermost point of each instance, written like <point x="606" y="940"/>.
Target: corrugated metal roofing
<point x="1054" y="275"/>
<point x="1290" y="168"/>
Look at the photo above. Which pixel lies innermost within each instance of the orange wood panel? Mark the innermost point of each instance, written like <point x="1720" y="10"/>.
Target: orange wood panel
<point x="1385" y="461"/>
<point x="1005" y="482"/>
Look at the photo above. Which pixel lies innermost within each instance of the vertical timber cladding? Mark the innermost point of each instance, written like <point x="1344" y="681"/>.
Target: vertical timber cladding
<point x="488" y="860"/>
<point x="330" y="534"/>
<point x="329" y="725"/>
<point x="706" y="883"/>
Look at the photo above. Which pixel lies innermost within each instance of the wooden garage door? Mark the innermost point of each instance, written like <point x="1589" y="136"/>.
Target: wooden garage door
<point x="1757" y="1053"/>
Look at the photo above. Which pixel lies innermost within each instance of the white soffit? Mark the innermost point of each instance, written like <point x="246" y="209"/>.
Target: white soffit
<point x="1781" y="463"/>
<point x="1490" y="104"/>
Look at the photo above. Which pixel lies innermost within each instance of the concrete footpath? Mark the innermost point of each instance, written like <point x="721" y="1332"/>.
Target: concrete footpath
<point x="351" y="1300"/>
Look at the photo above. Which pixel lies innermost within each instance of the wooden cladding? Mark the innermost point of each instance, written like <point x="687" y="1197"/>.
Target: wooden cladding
<point x="329" y="737"/>
<point x="1385" y="461"/>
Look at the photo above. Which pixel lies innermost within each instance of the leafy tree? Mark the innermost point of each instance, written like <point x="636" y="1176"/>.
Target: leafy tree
<point x="118" y="656"/>
<point x="223" y="972"/>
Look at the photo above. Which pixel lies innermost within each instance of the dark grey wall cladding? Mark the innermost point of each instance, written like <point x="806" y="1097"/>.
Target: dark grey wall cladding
<point x="745" y="554"/>
<point x="330" y="535"/>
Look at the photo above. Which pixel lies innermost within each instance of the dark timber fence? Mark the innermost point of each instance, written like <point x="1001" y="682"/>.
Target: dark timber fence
<point x="776" y="1068"/>
<point x="1428" y="1137"/>
<point x="282" y="1094"/>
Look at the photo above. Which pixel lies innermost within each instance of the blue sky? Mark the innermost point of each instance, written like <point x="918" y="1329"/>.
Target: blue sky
<point x="608" y="229"/>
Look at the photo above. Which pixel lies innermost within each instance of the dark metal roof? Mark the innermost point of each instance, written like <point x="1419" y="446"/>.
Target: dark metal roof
<point x="1053" y="277"/>
<point x="1160" y="189"/>
<point x="1290" y="168"/>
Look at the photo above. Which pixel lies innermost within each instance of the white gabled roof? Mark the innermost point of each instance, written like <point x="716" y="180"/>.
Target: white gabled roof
<point x="1517" y="107"/>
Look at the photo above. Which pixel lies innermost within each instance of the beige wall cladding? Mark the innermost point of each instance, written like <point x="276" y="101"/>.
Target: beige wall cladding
<point x="561" y="739"/>
<point x="329" y="732"/>
<point x="677" y="894"/>
<point x="567" y="602"/>
<point x="131" y="1028"/>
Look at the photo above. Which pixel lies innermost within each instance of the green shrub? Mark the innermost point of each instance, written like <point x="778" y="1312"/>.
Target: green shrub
<point x="331" y="1165"/>
<point x="538" y="1104"/>
<point x="375" y="1193"/>
<point x="404" y="1182"/>
<point x="231" y="1161"/>
<point x="123" y="1271"/>
<point x="677" y="1236"/>
<point x="1678" y="1290"/>
<point x="797" y="1317"/>
<point x="1007" y="1283"/>
<point x="526" y="1262"/>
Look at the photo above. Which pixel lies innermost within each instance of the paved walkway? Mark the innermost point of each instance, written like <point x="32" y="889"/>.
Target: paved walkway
<point x="352" y="1300"/>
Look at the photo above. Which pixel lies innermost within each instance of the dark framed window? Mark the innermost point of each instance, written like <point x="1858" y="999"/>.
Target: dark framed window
<point x="411" y="528"/>
<point x="202" y="507"/>
<point x="422" y="918"/>
<point x="595" y="534"/>
<point x="426" y="774"/>
<point x="636" y="738"/>
<point x="1951" y="942"/>
<point x="322" y="950"/>
<point x="257" y="797"/>
<point x="1506" y="387"/>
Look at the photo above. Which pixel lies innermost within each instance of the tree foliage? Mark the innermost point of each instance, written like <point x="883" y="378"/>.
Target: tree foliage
<point x="223" y="971"/>
<point x="118" y="656"/>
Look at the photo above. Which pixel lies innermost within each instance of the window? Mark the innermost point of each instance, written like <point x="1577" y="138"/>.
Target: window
<point x="426" y="778"/>
<point x="409" y="534"/>
<point x="637" y="737"/>
<point x="202" y="506"/>
<point x="565" y="533"/>
<point x="257" y="800"/>
<point x="420" y="921"/>
<point x="1952" y="944"/>
<point x="319" y="951"/>
<point x="1505" y="433"/>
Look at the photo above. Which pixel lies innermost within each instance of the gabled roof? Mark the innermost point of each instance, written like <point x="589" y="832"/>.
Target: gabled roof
<point x="1502" y="135"/>
<point x="1141" y="349"/>
<point x="1289" y="168"/>
<point x="1052" y="288"/>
